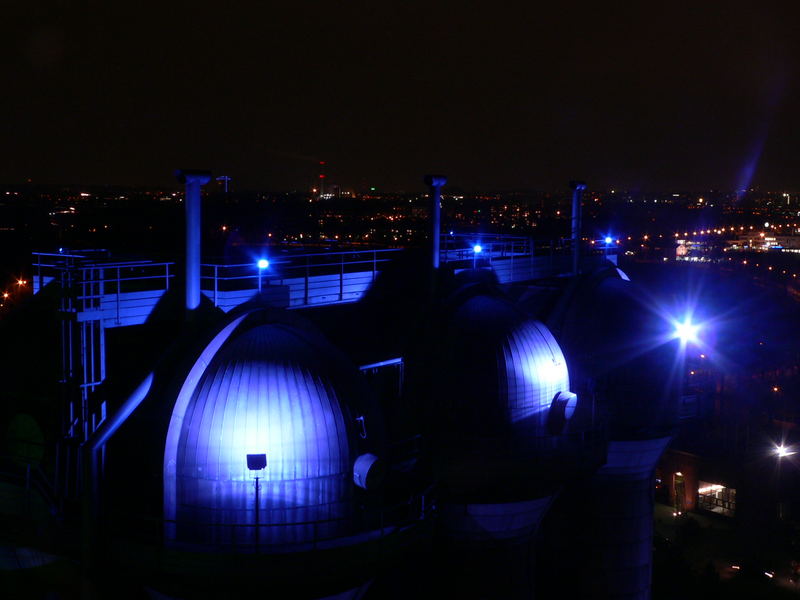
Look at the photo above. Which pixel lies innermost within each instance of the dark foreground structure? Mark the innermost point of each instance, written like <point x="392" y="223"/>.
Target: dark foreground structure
<point x="475" y="421"/>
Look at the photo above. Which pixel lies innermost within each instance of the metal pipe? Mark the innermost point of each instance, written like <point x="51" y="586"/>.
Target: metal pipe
<point x="91" y="469"/>
<point x="577" y="191"/>
<point x="193" y="181"/>
<point x="435" y="183"/>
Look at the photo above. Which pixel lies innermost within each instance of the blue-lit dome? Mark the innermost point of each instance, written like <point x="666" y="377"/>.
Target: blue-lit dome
<point x="265" y="391"/>
<point x="503" y="371"/>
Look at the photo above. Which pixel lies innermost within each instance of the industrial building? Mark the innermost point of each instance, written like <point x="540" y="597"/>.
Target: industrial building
<point x="365" y="424"/>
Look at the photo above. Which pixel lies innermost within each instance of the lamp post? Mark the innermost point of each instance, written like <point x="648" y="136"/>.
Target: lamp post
<point x="262" y="264"/>
<point x="224" y="179"/>
<point x="476" y="249"/>
<point x="781" y="451"/>
<point x="256" y="463"/>
<point x="608" y="241"/>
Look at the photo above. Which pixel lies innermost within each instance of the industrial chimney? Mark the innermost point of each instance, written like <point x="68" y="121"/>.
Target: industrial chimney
<point x="194" y="180"/>
<point x="435" y="183"/>
<point x="577" y="191"/>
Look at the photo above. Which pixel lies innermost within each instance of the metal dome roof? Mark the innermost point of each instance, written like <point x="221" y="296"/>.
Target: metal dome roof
<point x="502" y="370"/>
<point x="610" y="330"/>
<point x="265" y="391"/>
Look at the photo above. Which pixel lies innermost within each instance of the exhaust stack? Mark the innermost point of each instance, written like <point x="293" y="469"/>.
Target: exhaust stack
<point x="577" y="192"/>
<point x="435" y="183"/>
<point x="193" y="180"/>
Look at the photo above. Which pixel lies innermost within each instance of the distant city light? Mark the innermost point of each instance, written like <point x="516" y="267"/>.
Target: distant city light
<point x="477" y="249"/>
<point x="263" y="263"/>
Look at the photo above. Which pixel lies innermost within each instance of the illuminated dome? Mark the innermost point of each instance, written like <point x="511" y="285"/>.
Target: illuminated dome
<point x="269" y="390"/>
<point x="503" y="371"/>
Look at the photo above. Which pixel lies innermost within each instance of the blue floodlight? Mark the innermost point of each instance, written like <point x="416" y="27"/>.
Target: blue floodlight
<point x="477" y="249"/>
<point x="608" y="239"/>
<point x="263" y="263"/>
<point x="687" y="332"/>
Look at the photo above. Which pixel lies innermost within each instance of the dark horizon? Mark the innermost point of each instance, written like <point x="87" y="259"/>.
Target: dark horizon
<point x="642" y="98"/>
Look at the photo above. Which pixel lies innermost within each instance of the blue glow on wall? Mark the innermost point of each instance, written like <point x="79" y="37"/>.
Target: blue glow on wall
<point x="261" y="393"/>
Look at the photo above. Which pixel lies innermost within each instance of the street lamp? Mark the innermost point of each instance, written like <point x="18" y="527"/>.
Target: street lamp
<point x="781" y="451"/>
<point x="262" y="264"/>
<point x="476" y="249"/>
<point x="256" y="463"/>
<point x="608" y="240"/>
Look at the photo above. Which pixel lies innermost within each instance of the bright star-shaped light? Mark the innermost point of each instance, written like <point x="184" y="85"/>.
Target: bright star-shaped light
<point x="687" y="332"/>
<point x="263" y="263"/>
<point x="477" y="249"/>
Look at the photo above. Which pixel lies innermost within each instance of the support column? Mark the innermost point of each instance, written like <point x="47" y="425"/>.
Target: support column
<point x="620" y="553"/>
<point x="489" y="548"/>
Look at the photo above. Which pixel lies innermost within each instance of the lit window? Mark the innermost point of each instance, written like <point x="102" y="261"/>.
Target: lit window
<point x="716" y="498"/>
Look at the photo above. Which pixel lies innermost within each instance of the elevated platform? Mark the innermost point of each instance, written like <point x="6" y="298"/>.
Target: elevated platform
<point x="120" y="293"/>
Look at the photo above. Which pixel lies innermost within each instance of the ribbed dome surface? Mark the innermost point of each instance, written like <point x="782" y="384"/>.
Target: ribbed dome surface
<point x="504" y="370"/>
<point x="264" y="392"/>
<point x="610" y="331"/>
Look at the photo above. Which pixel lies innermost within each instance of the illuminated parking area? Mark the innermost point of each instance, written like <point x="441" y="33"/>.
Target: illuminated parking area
<point x="716" y="498"/>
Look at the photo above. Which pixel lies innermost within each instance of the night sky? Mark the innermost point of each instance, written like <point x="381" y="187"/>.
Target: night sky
<point x="640" y="95"/>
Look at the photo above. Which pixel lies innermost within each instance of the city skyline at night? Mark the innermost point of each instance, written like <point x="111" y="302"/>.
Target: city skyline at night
<point x="342" y="301"/>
